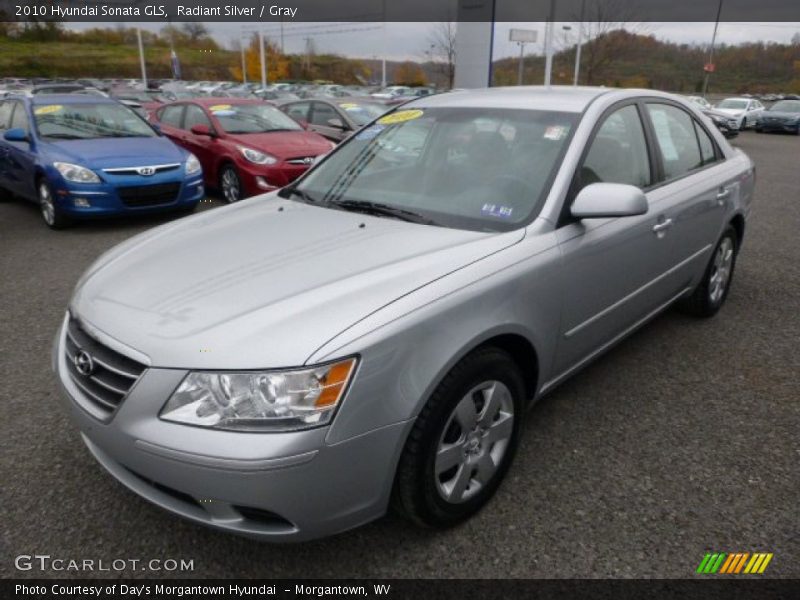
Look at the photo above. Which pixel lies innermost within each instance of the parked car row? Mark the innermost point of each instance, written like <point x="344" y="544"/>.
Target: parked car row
<point x="82" y="156"/>
<point x="732" y="115"/>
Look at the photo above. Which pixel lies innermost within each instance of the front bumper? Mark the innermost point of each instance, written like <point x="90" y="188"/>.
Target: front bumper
<point x="778" y="126"/>
<point x="106" y="198"/>
<point x="277" y="486"/>
<point x="259" y="179"/>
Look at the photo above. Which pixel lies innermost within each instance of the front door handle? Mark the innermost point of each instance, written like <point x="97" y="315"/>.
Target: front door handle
<point x="722" y="195"/>
<point x="662" y="226"/>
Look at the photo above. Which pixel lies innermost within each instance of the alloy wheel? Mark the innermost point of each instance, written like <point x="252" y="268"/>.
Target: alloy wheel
<point x="231" y="189"/>
<point x="46" y="204"/>
<point x="721" y="270"/>
<point x="474" y="441"/>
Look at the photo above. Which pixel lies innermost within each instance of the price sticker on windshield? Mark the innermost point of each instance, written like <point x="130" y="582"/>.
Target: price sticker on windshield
<point x="47" y="110"/>
<point x="400" y="117"/>
<point x="220" y="108"/>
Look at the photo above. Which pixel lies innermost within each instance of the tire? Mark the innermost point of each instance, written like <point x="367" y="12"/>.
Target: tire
<point x="708" y="297"/>
<point x="230" y="184"/>
<point x="759" y="130"/>
<point x="52" y="216"/>
<point x="472" y="461"/>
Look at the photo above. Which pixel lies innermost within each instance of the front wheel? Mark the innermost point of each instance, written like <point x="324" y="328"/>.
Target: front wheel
<point x="463" y="441"/>
<point x="230" y="185"/>
<point x="710" y="294"/>
<point x="52" y="215"/>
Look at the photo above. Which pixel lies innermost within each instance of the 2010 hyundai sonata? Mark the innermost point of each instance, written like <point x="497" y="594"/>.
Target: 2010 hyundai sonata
<point x="288" y="366"/>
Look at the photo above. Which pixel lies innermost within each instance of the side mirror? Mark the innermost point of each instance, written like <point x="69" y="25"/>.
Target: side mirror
<point x="202" y="130"/>
<point x="16" y="135"/>
<point x="602" y="200"/>
<point x="336" y="122"/>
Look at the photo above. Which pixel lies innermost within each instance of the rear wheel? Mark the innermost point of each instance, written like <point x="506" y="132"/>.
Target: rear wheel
<point x="53" y="217"/>
<point x="463" y="441"/>
<point x="710" y="294"/>
<point x="230" y="185"/>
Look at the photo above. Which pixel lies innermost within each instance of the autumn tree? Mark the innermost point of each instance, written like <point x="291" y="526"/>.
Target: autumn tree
<point x="277" y="63"/>
<point x="409" y="73"/>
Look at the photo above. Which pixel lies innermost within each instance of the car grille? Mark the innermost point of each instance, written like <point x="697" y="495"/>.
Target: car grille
<point x="102" y="374"/>
<point x="149" y="195"/>
<point x="302" y="161"/>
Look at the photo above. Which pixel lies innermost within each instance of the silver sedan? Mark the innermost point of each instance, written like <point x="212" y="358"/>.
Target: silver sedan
<point x="290" y="366"/>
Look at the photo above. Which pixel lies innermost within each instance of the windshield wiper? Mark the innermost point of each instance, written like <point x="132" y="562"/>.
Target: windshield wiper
<point x="290" y="191"/>
<point x="66" y="136"/>
<point x="382" y="210"/>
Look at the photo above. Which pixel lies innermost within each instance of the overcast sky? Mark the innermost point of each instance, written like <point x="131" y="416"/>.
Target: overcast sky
<point x="410" y="41"/>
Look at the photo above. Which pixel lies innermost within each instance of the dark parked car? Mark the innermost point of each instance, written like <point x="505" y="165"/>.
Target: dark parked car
<point x="335" y="118"/>
<point x="781" y="116"/>
<point x="246" y="147"/>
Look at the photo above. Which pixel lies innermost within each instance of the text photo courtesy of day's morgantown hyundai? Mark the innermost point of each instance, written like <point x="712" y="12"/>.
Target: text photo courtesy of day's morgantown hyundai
<point x="473" y="299"/>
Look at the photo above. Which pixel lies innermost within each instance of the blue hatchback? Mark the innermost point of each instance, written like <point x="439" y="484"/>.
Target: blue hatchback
<point x="86" y="156"/>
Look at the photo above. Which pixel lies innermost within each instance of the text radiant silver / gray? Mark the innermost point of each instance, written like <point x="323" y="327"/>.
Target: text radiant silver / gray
<point x="287" y="366"/>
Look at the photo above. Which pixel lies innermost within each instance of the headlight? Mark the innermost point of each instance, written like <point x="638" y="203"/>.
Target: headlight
<point x="259" y="158"/>
<point x="192" y="165"/>
<point x="265" y="401"/>
<point x="76" y="173"/>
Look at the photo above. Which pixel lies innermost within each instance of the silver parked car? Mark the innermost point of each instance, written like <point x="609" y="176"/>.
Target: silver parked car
<point x="289" y="366"/>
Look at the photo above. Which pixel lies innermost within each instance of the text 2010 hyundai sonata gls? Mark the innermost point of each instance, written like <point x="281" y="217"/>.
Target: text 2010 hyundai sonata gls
<point x="287" y="366"/>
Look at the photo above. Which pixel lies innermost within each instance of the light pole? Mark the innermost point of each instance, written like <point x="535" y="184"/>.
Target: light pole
<point x="548" y="43"/>
<point x="263" y="59"/>
<point x="579" y="45"/>
<point x="710" y="65"/>
<point x="141" y="57"/>
<point x="244" y="63"/>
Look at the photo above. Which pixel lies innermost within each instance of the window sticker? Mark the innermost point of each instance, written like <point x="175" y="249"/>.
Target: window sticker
<point x="224" y="113"/>
<point x="497" y="210"/>
<point x="664" y="135"/>
<point x="348" y="105"/>
<point x="369" y="132"/>
<point x="555" y="133"/>
<point x="48" y="110"/>
<point x="220" y="108"/>
<point x="400" y="117"/>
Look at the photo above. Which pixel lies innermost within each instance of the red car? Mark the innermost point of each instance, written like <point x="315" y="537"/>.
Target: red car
<point x="246" y="147"/>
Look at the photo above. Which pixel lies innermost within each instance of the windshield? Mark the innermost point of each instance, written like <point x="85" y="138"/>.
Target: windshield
<point x="362" y="113"/>
<point x="86" y="121"/>
<point x="469" y="168"/>
<point x="252" y="118"/>
<point x="732" y="104"/>
<point x="792" y="106"/>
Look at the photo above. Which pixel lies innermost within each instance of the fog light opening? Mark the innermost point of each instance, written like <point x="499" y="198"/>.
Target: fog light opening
<point x="81" y="203"/>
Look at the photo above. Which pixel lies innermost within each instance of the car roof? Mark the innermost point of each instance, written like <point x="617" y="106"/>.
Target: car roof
<point x="71" y="99"/>
<point x="557" y="98"/>
<point x="213" y="101"/>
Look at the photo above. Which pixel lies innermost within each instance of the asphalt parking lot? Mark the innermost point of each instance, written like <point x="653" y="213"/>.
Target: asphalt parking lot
<point x="682" y="440"/>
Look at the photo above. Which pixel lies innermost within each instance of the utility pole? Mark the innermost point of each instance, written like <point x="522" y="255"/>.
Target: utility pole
<point x="579" y="45"/>
<point x="548" y="43"/>
<point x="521" y="59"/>
<point x="263" y="59"/>
<point x="141" y="57"/>
<point x="244" y="63"/>
<point x="383" y="58"/>
<point x="710" y="64"/>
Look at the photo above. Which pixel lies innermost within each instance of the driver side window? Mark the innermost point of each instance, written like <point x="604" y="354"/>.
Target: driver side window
<point x="618" y="153"/>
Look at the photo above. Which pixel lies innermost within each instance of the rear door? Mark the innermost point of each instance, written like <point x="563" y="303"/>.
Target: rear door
<point x="6" y="108"/>
<point x="20" y="158"/>
<point x="696" y="190"/>
<point x="170" y="120"/>
<point x="613" y="268"/>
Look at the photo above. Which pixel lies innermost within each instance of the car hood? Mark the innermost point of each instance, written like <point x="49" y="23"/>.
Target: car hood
<point x="777" y="114"/>
<point x="118" y="152"/>
<point x="734" y="112"/>
<point x="285" y="144"/>
<point x="265" y="282"/>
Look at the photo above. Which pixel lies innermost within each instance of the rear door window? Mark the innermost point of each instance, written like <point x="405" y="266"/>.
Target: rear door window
<point x="676" y="138"/>
<point x="171" y="115"/>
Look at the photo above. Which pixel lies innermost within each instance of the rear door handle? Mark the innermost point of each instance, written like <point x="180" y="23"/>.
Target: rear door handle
<point x="662" y="226"/>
